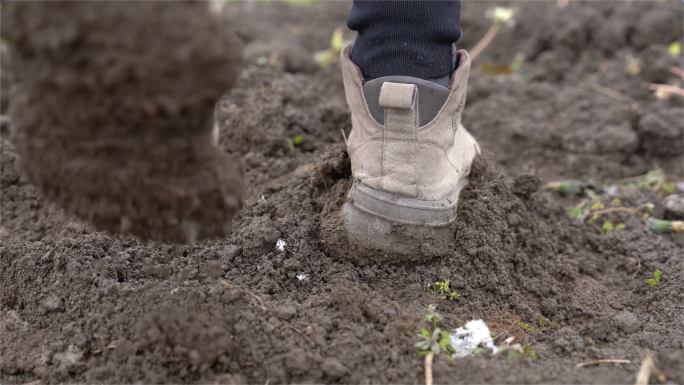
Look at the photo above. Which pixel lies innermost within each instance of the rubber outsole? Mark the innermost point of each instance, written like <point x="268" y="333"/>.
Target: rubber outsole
<point x="382" y="220"/>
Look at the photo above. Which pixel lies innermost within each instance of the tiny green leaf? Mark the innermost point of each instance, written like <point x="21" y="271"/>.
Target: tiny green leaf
<point x="512" y="355"/>
<point x="298" y="139"/>
<point x="607" y="227"/>
<point x="659" y="226"/>
<point x="444" y="342"/>
<point x="675" y="49"/>
<point x="668" y="188"/>
<point x="574" y="212"/>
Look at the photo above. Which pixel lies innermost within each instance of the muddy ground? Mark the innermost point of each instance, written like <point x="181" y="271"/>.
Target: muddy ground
<point x="82" y="306"/>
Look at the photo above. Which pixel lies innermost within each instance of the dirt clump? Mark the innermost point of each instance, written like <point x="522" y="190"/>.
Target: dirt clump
<point x="109" y="124"/>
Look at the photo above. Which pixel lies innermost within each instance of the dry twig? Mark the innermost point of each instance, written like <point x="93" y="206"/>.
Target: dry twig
<point x="638" y="266"/>
<point x="297" y="331"/>
<point x="313" y="301"/>
<point x="428" y="368"/>
<point x="261" y="302"/>
<point x="486" y="39"/>
<point x="614" y="209"/>
<point x="607" y="91"/>
<point x="583" y="364"/>
<point x="666" y="88"/>
<point x="345" y="138"/>
<point x="645" y="369"/>
<point x="504" y="325"/>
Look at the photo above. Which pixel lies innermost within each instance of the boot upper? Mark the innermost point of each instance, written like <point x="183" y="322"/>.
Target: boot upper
<point x="407" y="138"/>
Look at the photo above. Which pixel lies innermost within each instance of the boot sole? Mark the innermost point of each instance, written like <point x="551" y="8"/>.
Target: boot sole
<point x="382" y="220"/>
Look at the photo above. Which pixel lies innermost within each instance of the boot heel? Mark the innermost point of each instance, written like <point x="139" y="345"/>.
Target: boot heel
<point x="382" y="220"/>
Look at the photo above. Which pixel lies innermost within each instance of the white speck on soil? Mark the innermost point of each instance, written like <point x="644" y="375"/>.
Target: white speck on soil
<point x="303" y="277"/>
<point x="280" y="245"/>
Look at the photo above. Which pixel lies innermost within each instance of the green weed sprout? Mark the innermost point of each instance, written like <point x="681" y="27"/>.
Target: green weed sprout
<point x="326" y="57"/>
<point x="659" y="226"/>
<point x="437" y="341"/>
<point x="443" y="290"/>
<point x="608" y="227"/>
<point x="545" y="324"/>
<point x="291" y="142"/>
<point x="655" y="281"/>
<point x="517" y="351"/>
<point x="566" y="187"/>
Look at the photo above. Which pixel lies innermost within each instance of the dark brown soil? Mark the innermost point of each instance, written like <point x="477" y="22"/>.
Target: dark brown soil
<point x="113" y="125"/>
<point x="79" y="306"/>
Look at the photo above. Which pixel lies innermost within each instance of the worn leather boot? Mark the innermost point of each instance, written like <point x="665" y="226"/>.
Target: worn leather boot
<point x="410" y="158"/>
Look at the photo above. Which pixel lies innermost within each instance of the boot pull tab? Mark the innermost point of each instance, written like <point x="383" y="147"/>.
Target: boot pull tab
<point x="398" y="96"/>
<point x="400" y="137"/>
<point x="400" y="102"/>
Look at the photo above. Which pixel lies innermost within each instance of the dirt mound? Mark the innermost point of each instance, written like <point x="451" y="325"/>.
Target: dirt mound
<point x="161" y="315"/>
<point x="114" y="126"/>
<point x="99" y="308"/>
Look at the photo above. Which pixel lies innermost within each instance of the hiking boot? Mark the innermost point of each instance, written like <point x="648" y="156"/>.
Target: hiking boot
<point x="410" y="158"/>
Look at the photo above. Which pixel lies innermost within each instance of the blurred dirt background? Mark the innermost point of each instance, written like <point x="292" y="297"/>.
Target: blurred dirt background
<point x="82" y="306"/>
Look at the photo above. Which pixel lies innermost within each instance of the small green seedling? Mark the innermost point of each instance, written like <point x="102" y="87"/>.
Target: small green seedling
<point x="575" y="212"/>
<point x="608" y="227"/>
<point x="437" y="341"/>
<point x="545" y="324"/>
<point x="668" y="188"/>
<point x="532" y="352"/>
<point x="655" y="281"/>
<point x="443" y="290"/>
<point x="566" y="187"/>
<point x="326" y="57"/>
<point x="291" y="142"/>
<point x="659" y="226"/>
<point x="517" y="351"/>
<point x="529" y="328"/>
<point x="675" y="49"/>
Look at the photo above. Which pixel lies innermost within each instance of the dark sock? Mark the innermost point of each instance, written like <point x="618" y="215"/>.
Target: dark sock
<point x="405" y="38"/>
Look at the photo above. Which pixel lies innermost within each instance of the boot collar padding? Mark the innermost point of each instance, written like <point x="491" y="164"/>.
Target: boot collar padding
<point x="431" y="97"/>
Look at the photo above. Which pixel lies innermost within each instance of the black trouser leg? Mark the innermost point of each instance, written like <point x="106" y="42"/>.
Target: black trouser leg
<point x="405" y="38"/>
